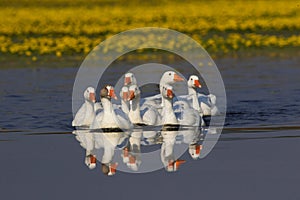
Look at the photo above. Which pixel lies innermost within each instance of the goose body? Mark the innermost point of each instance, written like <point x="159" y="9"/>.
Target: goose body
<point x="208" y="104"/>
<point x="168" y="115"/>
<point x="141" y="115"/>
<point x="185" y="115"/>
<point x="110" y="117"/>
<point x="204" y="104"/>
<point x="168" y="78"/>
<point x="86" y="140"/>
<point x="167" y="151"/>
<point x="129" y="79"/>
<point x="86" y="114"/>
<point x="132" y="153"/>
<point x="124" y="99"/>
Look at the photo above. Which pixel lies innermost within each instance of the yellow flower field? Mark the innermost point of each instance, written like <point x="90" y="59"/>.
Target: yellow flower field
<point x="63" y="27"/>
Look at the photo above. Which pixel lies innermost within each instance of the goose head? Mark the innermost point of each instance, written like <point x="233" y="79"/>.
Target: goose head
<point x="195" y="150"/>
<point x="129" y="79"/>
<point x="134" y="92"/>
<point x="89" y="94"/>
<point x="90" y="161"/>
<point x="109" y="169"/>
<point x="170" y="77"/>
<point x="167" y="92"/>
<point x="124" y="94"/>
<point x="108" y="92"/>
<point x="193" y="82"/>
<point x="174" y="165"/>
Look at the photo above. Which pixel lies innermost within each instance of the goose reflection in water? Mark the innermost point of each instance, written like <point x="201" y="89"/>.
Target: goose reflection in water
<point x="132" y="152"/>
<point x="101" y="146"/>
<point x="167" y="151"/>
<point x="193" y="137"/>
<point x="106" y="146"/>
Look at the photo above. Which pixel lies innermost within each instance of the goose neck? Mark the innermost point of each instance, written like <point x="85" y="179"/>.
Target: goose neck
<point x="168" y="112"/>
<point x="134" y="112"/>
<point x="193" y="95"/>
<point x="107" y="105"/>
<point x="89" y="106"/>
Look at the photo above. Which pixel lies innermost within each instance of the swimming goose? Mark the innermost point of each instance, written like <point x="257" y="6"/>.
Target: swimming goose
<point x="147" y="115"/>
<point x="185" y="116"/>
<point x="124" y="99"/>
<point x="168" y="78"/>
<point x="129" y="79"/>
<point x="110" y="117"/>
<point x="86" y="140"/>
<point x="167" y="113"/>
<point x="85" y="115"/>
<point x="132" y="153"/>
<point x="106" y="144"/>
<point x="204" y="104"/>
<point x="167" y="151"/>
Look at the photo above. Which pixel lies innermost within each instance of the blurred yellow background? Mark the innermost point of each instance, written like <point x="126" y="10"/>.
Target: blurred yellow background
<point x="60" y="27"/>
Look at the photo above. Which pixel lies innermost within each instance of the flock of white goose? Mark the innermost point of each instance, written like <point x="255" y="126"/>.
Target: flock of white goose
<point x="161" y="109"/>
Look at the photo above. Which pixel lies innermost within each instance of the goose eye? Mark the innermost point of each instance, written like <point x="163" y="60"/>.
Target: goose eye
<point x="170" y="74"/>
<point x="191" y="78"/>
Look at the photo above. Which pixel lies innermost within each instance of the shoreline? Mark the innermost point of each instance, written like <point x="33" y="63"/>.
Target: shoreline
<point x="22" y="61"/>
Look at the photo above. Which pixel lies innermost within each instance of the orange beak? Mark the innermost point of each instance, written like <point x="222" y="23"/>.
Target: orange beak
<point x="169" y="93"/>
<point x="131" y="95"/>
<point x="178" y="163"/>
<point x="197" y="84"/>
<point x="177" y="78"/>
<point x="113" y="168"/>
<point x="125" y="96"/>
<point x="198" y="149"/>
<point x="93" y="159"/>
<point x="127" y="80"/>
<point x="92" y="97"/>
<point x="112" y="94"/>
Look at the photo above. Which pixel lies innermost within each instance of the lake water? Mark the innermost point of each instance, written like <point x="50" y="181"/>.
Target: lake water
<point x="260" y="92"/>
<point x="256" y="157"/>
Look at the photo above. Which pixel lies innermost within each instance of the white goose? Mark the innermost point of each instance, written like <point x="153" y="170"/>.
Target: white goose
<point x="185" y="116"/>
<point x="85" y="115"/>
<point x="124" y="99"/>
<point x="129" y="79"/>
<point x="146" y="115"/>
<point x="86" y="140"/>
<point x="110" y="117"/>
<point x="132" y="153"/>
<point x="106" y="144"/>
<point x="204" y="104"/>
<point x="167" y="151"/>
<point x="168" y="115"/>
<point x="168" y="78"/>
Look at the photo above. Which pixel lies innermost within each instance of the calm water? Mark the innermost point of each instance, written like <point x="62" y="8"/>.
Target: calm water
<point x="260" y="92"/>
<point x="249" y="162"/>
